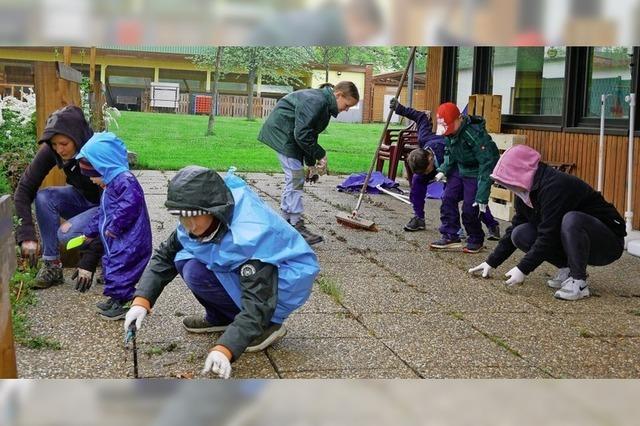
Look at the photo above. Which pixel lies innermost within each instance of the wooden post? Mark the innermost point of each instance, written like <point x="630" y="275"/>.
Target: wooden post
<point x="8" y="368"/>
<point x="52" y="93"/>
<point x="92" y="65"/>
<point x="433" y="83"/>
<point x="66" y="55"/>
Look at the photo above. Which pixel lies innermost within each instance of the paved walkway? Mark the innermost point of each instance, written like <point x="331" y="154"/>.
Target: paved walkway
<point x="401" y="311"/>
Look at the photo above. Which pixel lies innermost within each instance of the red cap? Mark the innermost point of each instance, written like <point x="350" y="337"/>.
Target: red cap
<point x="447" y="114"/>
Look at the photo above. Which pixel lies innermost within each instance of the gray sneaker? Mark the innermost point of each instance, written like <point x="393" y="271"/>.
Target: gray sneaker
<point x="199" y="324"/>
<point x="49" y="275"/>
<point x="493" y="233"/>
<point x="269" y="336"/>
<point x="415" y="224"/>
<point x="308" y="236"/>
<point x="561" y="277"/>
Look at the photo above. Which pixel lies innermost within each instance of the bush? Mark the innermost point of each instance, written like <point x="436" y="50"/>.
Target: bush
<point x="17" y="139"/>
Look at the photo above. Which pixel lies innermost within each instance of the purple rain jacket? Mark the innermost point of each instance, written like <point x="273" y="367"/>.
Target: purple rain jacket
<point x="122" y="213"/>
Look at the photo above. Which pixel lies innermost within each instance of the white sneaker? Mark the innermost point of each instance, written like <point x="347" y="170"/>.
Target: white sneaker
<point x="559" y="279"/>
<point x="573" y="289"/>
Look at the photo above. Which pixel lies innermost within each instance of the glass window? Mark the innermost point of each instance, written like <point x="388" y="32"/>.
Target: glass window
<point x="465" y="76"/>
<point x="610" y="75"/>
<point x="530" y="79"/>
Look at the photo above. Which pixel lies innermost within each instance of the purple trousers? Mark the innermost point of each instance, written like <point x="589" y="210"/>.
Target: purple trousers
<point x="458" y="189"/>
<point x="419" y="184"/>
<point x="220" y="308"/>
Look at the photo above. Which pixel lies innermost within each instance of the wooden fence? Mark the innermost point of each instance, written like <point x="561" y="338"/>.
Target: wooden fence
<point x="236" y="106"/>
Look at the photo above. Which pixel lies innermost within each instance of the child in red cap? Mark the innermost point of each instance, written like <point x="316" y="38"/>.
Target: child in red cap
<point x="470" y="156"/>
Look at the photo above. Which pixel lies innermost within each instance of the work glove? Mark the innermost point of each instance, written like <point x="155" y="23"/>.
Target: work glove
<point x="83" y="278"/>
<point x="481" y="206"/>
<point x="516" y="276"/>
<point x="29" y="251"/>
<point x="439" y="177"/>
<point x="136" y="313"/>
<point x="217" y="363"/>
<point x="393" y="104"/>
<point x="483" y="267"/>
<point x="311" y="175"/>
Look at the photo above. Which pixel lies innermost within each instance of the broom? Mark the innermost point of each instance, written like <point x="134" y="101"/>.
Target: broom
<point x="352" y="220"/>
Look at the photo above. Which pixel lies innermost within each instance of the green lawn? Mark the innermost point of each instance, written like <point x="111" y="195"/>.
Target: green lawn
<point x="170" y="141"/>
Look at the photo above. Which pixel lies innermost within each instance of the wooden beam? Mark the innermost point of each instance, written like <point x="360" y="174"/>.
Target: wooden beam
<point x="8" y="368"/>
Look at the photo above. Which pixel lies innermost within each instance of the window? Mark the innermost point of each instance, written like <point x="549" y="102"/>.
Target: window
<point x="531" y="82"/>
<point x="465" y="76"/>
<point x="609" y="74"/>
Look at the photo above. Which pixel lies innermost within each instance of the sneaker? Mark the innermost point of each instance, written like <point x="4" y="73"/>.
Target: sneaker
<point x="49" y="275"/>
<point x="308" y="236"/>
<point x="493" y="233"/>
<point x="116" y="311"/>
<point x="199" y="324"/>
<point x="573" y="289"/>
<point x="415" y="224"/>
<point x="105" y="305"/>
<point x="559" y="279"/>
<point x="445" y="243"/>
<point x="461" y="234"/>
<point x="269" y="336"/>
<point x="472" y="247"/>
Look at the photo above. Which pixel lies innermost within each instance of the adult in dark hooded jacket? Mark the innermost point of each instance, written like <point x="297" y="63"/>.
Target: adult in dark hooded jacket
<point x="65" y="132"/>
<point x="246" y="266"/>
<point x="559" y="219"/>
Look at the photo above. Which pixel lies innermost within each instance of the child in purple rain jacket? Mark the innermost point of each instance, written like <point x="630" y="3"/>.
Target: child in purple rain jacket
<point x="122" y="223"/>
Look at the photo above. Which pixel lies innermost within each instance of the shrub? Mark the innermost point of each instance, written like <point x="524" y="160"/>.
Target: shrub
<point x="17" y="138"/>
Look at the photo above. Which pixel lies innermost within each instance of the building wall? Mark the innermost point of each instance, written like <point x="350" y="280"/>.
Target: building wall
<point x="380" y="111"/>
<point x="582" y="149"/>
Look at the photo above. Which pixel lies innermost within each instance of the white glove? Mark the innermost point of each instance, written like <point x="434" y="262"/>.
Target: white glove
<point x="439" y="177"/>
<point x="482" y="207"/>
<point x="217" y="363"/>
<point x="136" y="313"/>
<point x="515" y="276"/>
<point x="484" y="267"/>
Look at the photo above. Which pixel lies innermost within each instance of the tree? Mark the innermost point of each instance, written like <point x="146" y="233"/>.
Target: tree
<point x="280" y="65"/>
<point x="325" y="56"/>
<point x="211" y="59"/>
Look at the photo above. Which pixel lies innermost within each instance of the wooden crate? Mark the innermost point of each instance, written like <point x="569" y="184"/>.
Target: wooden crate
<point x="501" y="209"/>
<point x="489" y="107"/>
<point x="501" y="194"/>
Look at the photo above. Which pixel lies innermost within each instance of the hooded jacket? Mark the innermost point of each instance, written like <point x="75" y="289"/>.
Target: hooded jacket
<point x="283" y="266"/>
<point x="552" y="194"/>
<point x="123" y="213"/>
<point x="68" y="121"/>
<point x="474" y="153"/>
<point x="293" y="126"/>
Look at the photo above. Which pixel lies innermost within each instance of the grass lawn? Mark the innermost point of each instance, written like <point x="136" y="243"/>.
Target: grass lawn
<point x="170" y="141"/>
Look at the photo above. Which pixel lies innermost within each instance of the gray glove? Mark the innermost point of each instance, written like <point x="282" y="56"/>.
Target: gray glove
<point x="393" y="104"/>
<point x="83" y="278"/>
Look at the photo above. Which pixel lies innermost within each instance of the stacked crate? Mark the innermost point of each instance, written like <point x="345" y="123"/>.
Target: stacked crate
<point x="202" y="104"/>
<point x="489" y="107"/>
<point x="501" y="199"/>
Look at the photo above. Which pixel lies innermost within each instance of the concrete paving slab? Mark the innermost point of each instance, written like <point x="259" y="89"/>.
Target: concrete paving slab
<point x="402" y="372"/>
<point x="301" y="355"/>
<point x="336" y="325"/>
<point x="417" y="326"/>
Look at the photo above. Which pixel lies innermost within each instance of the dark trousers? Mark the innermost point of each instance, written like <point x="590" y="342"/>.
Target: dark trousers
<point x="585" y="241"/>
<point x="220" y="308"/>
<point x="458" y="189"/>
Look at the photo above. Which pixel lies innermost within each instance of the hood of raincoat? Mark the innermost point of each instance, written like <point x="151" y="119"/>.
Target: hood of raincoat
<point x="199" y="188"/>
<point x="107" y="154"/>
<point x="68" y="121"/>
<point x="517" y="167"/>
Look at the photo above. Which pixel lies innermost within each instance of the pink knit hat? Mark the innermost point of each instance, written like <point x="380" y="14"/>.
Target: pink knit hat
<point x="517" y="167"/>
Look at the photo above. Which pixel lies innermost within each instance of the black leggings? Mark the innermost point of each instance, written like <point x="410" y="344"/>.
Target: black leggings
<point x="577" y="232"/>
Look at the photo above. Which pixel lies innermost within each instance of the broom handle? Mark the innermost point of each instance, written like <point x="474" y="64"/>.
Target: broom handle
<point x="412" y="54"/>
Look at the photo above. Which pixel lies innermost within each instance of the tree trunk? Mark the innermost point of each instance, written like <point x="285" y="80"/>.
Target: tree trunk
<point x="214" y="92"/>
<point x="250" y="83"/>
